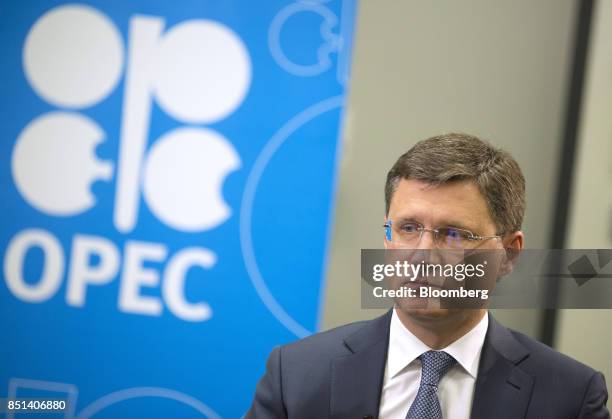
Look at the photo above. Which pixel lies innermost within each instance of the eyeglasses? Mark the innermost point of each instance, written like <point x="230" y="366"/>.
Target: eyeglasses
<point x="409" y="234"/>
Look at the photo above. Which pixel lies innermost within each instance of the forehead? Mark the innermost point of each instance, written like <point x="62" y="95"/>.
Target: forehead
<point x="458" y="203"/>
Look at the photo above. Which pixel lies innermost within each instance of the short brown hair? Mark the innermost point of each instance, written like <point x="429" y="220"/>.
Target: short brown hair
<point x="450" y="157"/>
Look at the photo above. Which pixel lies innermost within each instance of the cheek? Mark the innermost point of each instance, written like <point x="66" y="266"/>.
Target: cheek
<point x="494" y="244"/>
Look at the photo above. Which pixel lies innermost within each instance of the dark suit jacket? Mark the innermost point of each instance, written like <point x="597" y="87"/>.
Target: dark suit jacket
<point x="339" y="374"/>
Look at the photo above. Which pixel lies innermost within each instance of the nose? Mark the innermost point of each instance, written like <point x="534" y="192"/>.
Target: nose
<point x="431" y="252"/>
<point x="427" y="240"/>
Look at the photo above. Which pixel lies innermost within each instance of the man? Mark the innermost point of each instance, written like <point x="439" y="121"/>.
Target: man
<point x="435" y="363"/>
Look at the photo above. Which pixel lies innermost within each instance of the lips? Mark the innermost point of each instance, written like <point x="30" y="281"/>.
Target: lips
<point x="418" y="283"/>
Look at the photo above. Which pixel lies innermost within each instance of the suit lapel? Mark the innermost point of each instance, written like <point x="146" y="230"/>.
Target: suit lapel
<point x="357" y="378"/>
<point x="502" y="389"/>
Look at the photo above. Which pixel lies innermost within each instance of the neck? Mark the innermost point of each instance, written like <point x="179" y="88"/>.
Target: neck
<point x="438" y="331"/>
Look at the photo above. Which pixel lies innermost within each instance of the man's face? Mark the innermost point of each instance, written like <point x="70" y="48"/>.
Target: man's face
<point x="456" y="204"/>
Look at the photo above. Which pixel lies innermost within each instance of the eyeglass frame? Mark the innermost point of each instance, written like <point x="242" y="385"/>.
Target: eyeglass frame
<point x="436" y="232"/>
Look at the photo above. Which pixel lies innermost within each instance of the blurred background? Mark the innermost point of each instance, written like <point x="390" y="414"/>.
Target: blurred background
<point x="186" y="185"/>
<point x="534" y="78"/>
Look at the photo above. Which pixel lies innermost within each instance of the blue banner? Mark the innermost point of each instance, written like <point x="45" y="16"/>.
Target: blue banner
<point x="168" y="175"/>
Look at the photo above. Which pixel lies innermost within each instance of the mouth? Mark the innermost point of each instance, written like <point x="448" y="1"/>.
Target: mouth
<point x="419" y="283"/>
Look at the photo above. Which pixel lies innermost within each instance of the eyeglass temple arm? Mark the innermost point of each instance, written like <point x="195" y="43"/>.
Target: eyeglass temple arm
<point x="486" y="237"/>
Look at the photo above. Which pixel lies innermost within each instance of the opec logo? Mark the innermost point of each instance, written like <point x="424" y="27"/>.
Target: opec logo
<point x="198" y="72"/>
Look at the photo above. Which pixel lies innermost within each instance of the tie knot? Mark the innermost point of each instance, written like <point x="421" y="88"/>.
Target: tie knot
<point x="435" y="365"/>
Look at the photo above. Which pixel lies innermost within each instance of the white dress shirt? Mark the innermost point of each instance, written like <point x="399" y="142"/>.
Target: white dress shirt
<point x="403" y="372"/>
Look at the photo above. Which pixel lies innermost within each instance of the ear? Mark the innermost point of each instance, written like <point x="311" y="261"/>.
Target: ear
<point x="514" y="241"/>
<point x="513" y="244"/>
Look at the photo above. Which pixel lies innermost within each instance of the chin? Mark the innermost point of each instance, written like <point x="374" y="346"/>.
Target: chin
<point x="431" y="316"/>
<point x="428" y="313"/>
<point x="426" y="307"/>
<point x="425" y="310"/>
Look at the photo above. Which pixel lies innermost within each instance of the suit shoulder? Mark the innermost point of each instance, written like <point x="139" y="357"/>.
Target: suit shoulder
<point x="544" y="357"/>
<point x="328" y="342"/>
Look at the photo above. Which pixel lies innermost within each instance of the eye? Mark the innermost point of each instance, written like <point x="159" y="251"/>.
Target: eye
<point x="411" y="228"/>
<point x="455" y="233"/>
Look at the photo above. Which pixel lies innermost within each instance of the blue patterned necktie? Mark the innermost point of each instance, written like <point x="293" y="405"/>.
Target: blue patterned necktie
<point x="426" y="404"/>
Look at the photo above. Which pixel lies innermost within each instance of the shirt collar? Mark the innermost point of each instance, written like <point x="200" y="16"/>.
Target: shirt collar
<point x="404" y="347"/>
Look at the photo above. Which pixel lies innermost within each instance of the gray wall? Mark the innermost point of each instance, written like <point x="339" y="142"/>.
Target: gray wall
<point x="497" y="69"/>
<point x="586" y="334"/>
